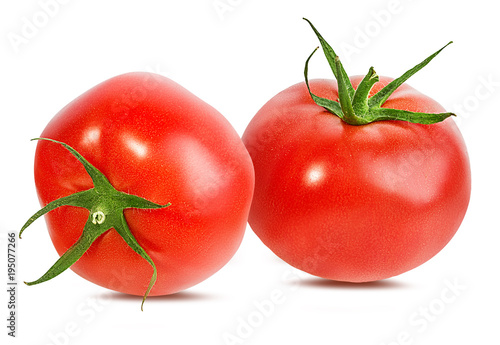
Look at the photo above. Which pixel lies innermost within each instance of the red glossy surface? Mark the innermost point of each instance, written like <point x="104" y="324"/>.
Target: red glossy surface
<point x="355" y="203"/>
<point x="154" y="139"/>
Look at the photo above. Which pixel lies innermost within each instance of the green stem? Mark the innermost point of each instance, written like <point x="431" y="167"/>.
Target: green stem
<point x="106" y="206"/>
<point x="360" y="100"/>
<point x="344" y="98"/>
<point x="90" y="233"/>
<point x="380" y="97"/>
<point x="355" y="107"/>
<point x="328" y="104"/>
<point x="338" y="71"/>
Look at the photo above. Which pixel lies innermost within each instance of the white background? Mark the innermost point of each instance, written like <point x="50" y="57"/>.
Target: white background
<point x="236" y="58"/>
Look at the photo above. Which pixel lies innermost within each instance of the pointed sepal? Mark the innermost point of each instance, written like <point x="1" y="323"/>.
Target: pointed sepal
<point x="106" y="206"/>
<point x="355" y="107"/>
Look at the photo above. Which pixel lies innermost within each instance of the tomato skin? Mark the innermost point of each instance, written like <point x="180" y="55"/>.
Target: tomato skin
<point x="152" y="138"/>
<point x="355" y="203"/>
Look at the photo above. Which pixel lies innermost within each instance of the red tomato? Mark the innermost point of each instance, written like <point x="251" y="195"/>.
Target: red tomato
<point x="355" y="203"/>
<point x="151" y="138"/>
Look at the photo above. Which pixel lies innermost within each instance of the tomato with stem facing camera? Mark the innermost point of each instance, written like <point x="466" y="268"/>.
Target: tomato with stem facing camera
<point x="145" y="187"/>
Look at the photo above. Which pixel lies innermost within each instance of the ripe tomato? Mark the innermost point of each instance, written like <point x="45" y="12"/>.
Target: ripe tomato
<point x="349" y="202"/>
<point x="154" y="139"/>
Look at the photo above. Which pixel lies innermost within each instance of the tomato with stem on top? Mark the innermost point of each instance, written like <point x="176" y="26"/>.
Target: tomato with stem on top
<point x="356" y="180"/>
<point x="145" y="187"/>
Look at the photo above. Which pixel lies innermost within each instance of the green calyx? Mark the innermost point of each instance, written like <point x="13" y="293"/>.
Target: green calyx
<point x="106" y="206"/>
<point x="354" y="106"/>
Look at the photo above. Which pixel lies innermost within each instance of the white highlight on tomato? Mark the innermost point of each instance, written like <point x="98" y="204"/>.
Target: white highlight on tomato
<point x="139" y="148"/>
<point x="315" y="174"/>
